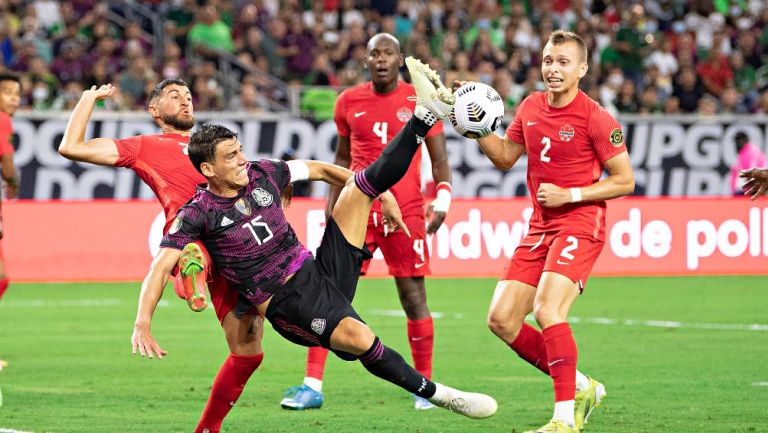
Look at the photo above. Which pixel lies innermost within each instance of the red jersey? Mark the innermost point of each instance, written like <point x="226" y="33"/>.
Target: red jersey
<point x="566" y="147"/>
<point x="161" y="161"/>
<point x="371" y="120"/>
<point x="6" y="131"/>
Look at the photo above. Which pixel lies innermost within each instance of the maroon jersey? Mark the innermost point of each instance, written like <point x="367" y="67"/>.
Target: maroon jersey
<point x="371" y="120"/>
<point x="161" y="161"/>
<point x="247" y="236"/>
<point x="567" y="147"/>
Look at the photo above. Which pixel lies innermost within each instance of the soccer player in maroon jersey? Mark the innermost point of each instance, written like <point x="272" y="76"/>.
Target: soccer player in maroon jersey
<point x="569" y="140"/>
<point x="367" y="117"/>
<point x="239" y="219"/>
<point x="10" y="95"/>
<point x="161" y="161"/>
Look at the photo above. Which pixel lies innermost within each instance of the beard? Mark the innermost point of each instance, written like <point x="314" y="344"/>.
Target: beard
<point x="177" y="122"/>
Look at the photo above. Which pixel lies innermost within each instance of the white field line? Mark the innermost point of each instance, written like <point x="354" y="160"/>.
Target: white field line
<point x="47" y="303"/>
<point x="609" y="322"/>
<point x="10" y="430"/>
<point x="760" y="383"/>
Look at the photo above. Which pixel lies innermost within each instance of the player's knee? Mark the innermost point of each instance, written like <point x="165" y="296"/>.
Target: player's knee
<point x="345" y="356"/>
<point x="545" y="314"/>
<point x="502" y="326"/>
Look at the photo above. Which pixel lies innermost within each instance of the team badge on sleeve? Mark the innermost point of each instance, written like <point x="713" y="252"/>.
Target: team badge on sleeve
<point x="567" y="132"/>
<point x="175" y="225"/>
<point x="617" y="138"/>
<point x="318" y="325"/>
<point x="262" y="197"/>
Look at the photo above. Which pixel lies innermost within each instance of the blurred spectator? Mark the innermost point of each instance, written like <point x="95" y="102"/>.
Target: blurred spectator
<point x="749" y="155"/>
<point x="68" y="97"/>
<point x="48" y="13"/>
<point x="649" y="102"/>
<point x="688" y="90"/>
<point x="631" y="45"/>
<point x="672" y="106"/>
<point x="249" y="100"/>
<point x="298" y="47"/>
<point x="71" y="64"/>
<point x="210" y="34"/>
<point x="626" y="101"/>
<point x="707" y="105"/>
<point x="207" y="95"/>
<point x="715" y="72"/>
<point x="732" y="102"/>
<point x="134" y="79"/>
<point x="182" y="15"/>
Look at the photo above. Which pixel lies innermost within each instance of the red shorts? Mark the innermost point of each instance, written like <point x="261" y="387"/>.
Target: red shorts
<point x="572" y="255"/>
<point x="405" y="256"/>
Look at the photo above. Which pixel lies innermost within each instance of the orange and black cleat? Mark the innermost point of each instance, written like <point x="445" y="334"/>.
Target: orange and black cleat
<point x="192" y="273"/>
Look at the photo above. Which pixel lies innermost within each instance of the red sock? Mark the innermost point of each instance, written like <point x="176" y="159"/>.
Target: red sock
<point x="3" y="285"/>
<point x="226" y="389"/>
<point x="529" y="345"/>
<point x="421" y="336"/>
<point x="562" y="354"/>
<point x="316" y="357"/>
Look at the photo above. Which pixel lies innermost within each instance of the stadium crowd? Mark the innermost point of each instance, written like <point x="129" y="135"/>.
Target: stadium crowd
<point x="658" y="56"/>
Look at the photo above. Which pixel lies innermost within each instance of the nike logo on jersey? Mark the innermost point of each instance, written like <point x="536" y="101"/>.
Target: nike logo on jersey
<point x="529" y="123"/>
<point x="360" y="113"/>
<point x="560" y="262"/>
<point x="226" y="221"/>
<point x="419" y="265"/>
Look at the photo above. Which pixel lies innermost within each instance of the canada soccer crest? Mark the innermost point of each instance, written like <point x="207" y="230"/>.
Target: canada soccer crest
<point x="567" y="132"/>
<point x="404" y="114"/>
<point x="262" y="197"/>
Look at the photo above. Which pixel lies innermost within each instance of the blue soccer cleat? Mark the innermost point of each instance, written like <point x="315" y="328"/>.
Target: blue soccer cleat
<point x="301" y="397"/>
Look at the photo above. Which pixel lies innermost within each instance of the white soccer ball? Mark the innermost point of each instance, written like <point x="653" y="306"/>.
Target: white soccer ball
<point x="478" y="111"/>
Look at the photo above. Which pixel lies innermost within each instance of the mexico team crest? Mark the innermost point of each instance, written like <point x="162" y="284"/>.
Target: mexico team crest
<point x="567" y="132"/>
<point x="243" y="207"/>
<point x="262" y="197"/>
<point x="404" y="114"/>
<point x="318" y="325"/>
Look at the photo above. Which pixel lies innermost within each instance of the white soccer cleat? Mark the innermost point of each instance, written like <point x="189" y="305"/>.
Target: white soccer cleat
<point x="469" y="404"/>
<point x="431" y="95"/>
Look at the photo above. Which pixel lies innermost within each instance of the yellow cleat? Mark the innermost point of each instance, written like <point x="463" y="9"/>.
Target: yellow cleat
<point x="431" y="93"/>
<point x="555" y="426"/>
<point x="586" y="401"/>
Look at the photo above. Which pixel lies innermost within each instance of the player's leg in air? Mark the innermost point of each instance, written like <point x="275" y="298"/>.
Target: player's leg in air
<point x="349" y="219"/>
<point x="243" y="335"/>
<point x="514" y="298"/>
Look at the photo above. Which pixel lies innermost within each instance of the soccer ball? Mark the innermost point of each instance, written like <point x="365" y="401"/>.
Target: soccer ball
<point x="478" y="111"/>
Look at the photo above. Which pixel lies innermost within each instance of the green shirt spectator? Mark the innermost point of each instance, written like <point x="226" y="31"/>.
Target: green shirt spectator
<point x="319" y="102"/>
<point x="210" y="32"/>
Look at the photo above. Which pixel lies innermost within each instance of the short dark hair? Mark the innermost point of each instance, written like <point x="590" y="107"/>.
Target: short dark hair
<point x="7" y="76"/>
<point x="741" y="139"/>
<point x="163" y="84"/>
<point x="559" y="37"/>
<point x="202" y="144"/>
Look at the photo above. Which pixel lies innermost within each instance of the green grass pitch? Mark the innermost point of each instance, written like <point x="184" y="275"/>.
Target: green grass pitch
<point x="676" y="355"/>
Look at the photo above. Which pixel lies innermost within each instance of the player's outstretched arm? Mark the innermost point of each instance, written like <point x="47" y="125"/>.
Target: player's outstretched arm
<point x="757" y="182"/>
<point x="502" y="151"/>
<point x="151" y="291"/>
<point x="441" y="173"/>
<point x="101" y="151"/>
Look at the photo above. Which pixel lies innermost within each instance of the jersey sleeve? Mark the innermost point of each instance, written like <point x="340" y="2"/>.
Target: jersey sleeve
<point x="128" y="150"/>
<point x="340" y="115"/>
<point x="6" y="131"/>
<point x="186" y="227"/>
<point x="437" y="129"/>
<point x="605" y="134"/>
<point x="277" y="169"/>
<point x="515" y="129"/>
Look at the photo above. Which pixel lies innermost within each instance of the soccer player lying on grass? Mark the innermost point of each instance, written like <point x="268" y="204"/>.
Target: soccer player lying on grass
<point x="239" y="219"/>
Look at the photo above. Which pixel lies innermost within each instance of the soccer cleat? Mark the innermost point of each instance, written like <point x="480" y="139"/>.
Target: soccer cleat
<point x="192" y="271"/>
<point x="421" y="403"/>
<point x="586" y="401"/>
<point x="301" y="397"/>
<point x="469" y="404"/>
<point x="555" y="426"/>
<point x="431" y="94"/>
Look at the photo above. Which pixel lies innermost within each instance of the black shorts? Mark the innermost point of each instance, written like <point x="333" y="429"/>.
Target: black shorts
<point x="307" y="309"/>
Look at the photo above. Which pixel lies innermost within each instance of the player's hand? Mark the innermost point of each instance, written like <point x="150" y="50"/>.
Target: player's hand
<point x="435" y="218"/>
<point x="551" y="195"/>
<point x="102" y="92"/>
<point x="11" y="189"/>
<point x="143" y="342"/>
<point x="458" y="83"/>
<point x="392" y="218"/>
<point x="757" y="182"/>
